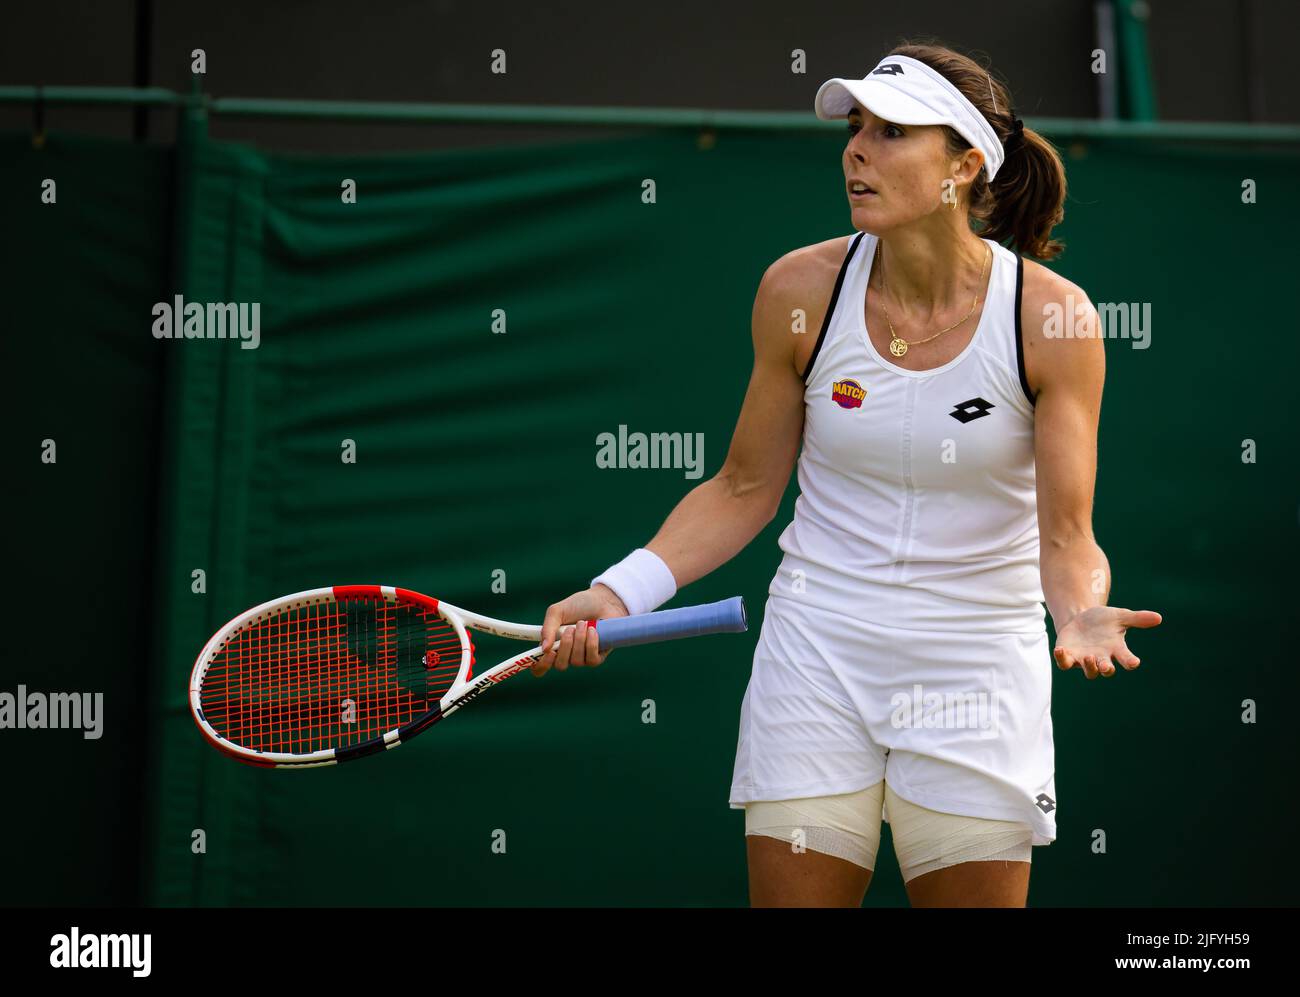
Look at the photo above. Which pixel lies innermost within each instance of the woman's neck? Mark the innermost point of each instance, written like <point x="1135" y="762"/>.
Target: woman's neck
<point x="931" y="271"/>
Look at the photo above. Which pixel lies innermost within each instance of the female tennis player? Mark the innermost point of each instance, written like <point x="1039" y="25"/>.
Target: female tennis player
<point x="949" y="439"/>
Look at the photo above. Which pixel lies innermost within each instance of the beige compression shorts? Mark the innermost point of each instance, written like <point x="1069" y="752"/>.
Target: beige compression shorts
<point x="848" y="827"/>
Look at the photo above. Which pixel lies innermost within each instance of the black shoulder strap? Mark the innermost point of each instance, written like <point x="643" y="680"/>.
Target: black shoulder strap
<point x="1020" y="342"/>
<point x="830" y="308"/>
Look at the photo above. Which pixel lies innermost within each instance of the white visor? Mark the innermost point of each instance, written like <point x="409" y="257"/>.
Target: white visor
<point x="908" y="92"/>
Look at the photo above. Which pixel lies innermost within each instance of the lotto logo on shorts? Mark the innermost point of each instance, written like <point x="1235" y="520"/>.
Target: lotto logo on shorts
<point x="848" y="394"/>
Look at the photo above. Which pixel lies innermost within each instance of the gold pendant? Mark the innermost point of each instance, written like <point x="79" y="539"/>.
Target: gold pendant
<point x="897" y="346"/>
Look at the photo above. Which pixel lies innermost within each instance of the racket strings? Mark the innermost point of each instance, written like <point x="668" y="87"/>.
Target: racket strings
<point x="331" y="674"/>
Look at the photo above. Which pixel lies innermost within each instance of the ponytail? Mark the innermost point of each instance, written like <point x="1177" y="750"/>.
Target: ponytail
<point x="1026" y="200"/>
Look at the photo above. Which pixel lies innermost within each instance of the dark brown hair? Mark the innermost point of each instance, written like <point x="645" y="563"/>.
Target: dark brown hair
<point x="1026" y="200"/>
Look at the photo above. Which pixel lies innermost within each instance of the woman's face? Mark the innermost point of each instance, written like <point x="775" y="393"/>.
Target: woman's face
<point x="904" y="165"/>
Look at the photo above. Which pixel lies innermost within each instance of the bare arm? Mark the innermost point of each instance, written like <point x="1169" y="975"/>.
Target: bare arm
<point x="1070" y="373"/>
<point x="1074" y="570"/>
<point x="718" y="518"/>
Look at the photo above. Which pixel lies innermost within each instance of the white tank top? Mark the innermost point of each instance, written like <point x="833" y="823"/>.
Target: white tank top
<point x="917" y="506"/>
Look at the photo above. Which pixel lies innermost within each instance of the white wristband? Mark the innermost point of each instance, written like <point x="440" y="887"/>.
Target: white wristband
<point x="641" y="580"/>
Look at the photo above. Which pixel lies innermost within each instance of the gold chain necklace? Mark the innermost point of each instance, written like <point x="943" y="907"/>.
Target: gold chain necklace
<point x="897" y="344"/>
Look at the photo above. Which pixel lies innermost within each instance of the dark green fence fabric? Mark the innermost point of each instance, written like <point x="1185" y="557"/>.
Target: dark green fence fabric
<point x="80" y="370"/>
<point x="476" y="461"/>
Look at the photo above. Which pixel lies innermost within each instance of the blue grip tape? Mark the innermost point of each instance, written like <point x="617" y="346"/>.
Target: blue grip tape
<point x="727" y="616"/>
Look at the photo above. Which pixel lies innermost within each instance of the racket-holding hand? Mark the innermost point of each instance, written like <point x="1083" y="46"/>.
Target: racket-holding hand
<point x="577" y="645"/>
<point x="1096" y="635"/>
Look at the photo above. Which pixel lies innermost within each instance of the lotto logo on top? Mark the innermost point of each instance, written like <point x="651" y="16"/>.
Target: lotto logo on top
<point x="848" y="394"/>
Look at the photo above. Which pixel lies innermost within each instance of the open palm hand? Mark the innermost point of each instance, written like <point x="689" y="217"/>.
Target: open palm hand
<point x="1096" y="635"/>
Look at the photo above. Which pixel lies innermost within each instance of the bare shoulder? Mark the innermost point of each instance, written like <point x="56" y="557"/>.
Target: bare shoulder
<point x="792" y="273"/>
<point x="794" y="294"/>
<point x="1060" y="331"/>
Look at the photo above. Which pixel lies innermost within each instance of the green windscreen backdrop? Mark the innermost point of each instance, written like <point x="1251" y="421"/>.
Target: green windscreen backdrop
<point x="470" y="326"/>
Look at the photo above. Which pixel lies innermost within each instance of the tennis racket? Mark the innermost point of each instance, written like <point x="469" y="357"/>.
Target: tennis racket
<point x="335" y="674"/>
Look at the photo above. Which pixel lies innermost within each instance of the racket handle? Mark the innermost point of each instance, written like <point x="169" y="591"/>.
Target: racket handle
<point x="727" y="616"/>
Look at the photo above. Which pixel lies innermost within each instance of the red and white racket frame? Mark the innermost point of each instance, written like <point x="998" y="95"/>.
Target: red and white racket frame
<point x="463" y="689"/>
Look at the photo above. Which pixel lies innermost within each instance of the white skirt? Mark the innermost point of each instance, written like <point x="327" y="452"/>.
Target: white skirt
<point x="958" y="722"/>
